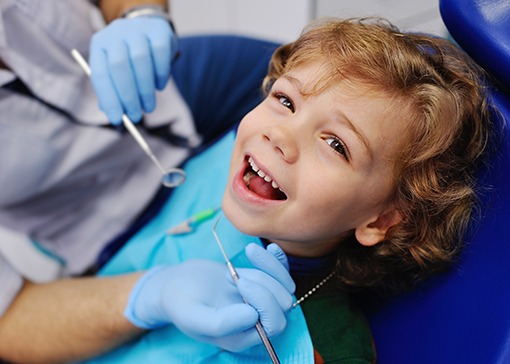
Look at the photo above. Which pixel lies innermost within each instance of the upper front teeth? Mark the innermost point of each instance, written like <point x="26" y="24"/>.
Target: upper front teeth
<point x="261" y="173"/>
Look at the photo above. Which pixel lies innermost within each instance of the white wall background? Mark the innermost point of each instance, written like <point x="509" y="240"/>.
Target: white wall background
<point x="282" y="20"/>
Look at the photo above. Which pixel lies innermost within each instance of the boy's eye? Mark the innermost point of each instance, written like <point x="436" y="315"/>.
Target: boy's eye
<point x="337" y="145"/>
<point x="285" y="101"/>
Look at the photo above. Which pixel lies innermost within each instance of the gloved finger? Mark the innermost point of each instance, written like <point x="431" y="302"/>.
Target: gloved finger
<point x="214" y="322"/>
<point x="271" y="315"/>
<point x="279" y="254"/>
<point x="279" y="292"/>
<point x="123" y="77"/>
<point x="109" y="102"/>
<point x="235" y="342"/>
<point x="162" y="41"/>
<point x="141" y="61"/>
<point x="267" y="262"/>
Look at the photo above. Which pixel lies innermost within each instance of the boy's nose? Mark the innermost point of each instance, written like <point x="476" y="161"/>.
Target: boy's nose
<point x="283" y="141"/>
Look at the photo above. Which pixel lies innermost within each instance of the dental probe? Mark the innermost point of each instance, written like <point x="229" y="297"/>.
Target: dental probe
<point x="172" y="177"/>
<point x="235" y="277"/>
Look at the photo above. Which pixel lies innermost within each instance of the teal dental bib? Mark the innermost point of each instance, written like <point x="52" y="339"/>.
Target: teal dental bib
<point x="207" y="175"/>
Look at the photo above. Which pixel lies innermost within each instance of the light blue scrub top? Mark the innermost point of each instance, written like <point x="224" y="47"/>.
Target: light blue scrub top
<point x="207" y="175"/>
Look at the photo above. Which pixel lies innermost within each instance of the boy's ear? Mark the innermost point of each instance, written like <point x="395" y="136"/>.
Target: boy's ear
<point x="374" y="230"/>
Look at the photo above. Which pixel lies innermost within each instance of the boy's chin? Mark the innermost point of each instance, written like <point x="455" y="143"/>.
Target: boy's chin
<point x="238" y="219"/>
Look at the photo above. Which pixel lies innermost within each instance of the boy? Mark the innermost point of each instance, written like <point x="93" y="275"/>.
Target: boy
<point x="360" y="164"/>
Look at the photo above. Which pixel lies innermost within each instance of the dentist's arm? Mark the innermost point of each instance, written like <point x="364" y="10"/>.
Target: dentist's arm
<point x="74" y="319"/>
<point x="66" y="320"/>
<point x="131" y="57"/>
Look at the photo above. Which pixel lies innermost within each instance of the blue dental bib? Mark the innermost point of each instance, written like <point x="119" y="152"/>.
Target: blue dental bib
<point x="207" y="175"/>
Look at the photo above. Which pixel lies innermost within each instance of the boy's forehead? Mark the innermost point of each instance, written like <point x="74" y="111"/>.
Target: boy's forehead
<point x="310" y="78"/>
<point x="313" y="78"/>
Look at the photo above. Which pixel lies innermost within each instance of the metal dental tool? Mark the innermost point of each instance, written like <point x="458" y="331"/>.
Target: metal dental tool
<point x="235" y="276"/>
<point x="172" y="177"/>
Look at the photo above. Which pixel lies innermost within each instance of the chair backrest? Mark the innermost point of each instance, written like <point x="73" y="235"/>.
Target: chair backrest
<point x="464" y="315"/>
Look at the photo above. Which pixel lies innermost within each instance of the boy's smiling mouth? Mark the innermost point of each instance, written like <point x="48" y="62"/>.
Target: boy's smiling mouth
<point x="261" y="183"/>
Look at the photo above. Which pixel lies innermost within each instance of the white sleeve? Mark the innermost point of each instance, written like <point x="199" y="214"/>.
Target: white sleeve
<point x="10" y="284"/>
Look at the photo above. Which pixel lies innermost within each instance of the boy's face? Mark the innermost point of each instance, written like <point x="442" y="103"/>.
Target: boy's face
<point x="332" y="158"/>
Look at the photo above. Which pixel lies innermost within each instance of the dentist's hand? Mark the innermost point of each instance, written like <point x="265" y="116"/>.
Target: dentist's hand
<point x="129" y="60"/>
<point x="199" y="298"/>
<point x="271" y="303"/>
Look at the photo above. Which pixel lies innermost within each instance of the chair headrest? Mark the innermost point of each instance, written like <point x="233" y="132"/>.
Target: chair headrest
<point x="482" y="29"/>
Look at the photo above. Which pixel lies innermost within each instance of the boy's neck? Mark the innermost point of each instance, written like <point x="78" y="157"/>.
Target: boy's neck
<point x="309" y="266"/>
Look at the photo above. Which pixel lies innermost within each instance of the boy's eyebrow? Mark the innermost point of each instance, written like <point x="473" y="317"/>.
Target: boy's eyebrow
<point x="358" y="133"/>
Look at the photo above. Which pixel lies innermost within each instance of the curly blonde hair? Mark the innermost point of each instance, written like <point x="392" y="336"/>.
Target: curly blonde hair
<point x="436" y="170"/>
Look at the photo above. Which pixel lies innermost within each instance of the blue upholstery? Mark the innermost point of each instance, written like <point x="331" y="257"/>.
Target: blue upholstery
<point x="482" y="28"/>
<point x="220" y="77"/>
<point x="464" y="316"/>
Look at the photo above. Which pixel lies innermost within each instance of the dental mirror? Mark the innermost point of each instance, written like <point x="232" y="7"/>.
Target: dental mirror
<point x="172" y="177"/>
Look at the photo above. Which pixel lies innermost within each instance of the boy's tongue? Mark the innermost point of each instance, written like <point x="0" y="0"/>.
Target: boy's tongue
<point x="264" y="189"/>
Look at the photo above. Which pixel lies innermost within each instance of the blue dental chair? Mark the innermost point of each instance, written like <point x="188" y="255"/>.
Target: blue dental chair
<point x="459" y="317"/>
<point x="464" y="315"/>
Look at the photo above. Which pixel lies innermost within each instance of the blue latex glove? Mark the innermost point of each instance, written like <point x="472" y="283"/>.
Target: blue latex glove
<point x="199" y="298"/>
<point x="129" y="60"/>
